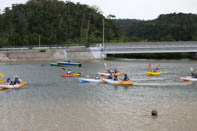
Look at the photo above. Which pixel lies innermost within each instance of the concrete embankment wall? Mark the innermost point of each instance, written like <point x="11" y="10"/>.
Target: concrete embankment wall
<point x="52" y="54"/>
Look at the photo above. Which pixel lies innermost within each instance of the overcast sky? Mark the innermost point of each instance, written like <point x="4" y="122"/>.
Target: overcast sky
<point x="134" y="9"/>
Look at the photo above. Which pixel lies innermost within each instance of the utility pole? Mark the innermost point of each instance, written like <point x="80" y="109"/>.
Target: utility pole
<point x="103" y="34"/>
<point x="39" y="40"/>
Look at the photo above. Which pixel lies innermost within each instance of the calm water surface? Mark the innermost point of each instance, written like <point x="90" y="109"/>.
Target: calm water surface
<point x="50" y="102"/>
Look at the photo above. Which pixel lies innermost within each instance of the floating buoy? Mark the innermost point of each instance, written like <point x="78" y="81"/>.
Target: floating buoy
<point x="154" y="113"/>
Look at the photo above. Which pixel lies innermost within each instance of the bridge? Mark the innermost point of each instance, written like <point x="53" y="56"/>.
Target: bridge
<point x="150" y="47"/>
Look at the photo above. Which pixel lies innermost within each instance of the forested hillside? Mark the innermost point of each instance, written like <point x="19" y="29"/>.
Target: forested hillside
<point x="55" y="22"/>
<point x="169" y="27"/>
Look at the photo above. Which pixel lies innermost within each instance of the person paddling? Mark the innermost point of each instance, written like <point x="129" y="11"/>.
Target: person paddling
<point x="8" y="81"/>
<point x="194" y="75"/>
<point x="110" y="76"/>
<point x="115" y="78"/>
<point x="69" y="72"/>
<point x="115" y="71"/>
<point x="16" y="80"/>
<point x="126" y="78"/>
<point x="108" y="71"/>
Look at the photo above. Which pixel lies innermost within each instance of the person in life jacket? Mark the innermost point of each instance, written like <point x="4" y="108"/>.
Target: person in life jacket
<point x="110" y="76"/>
<point x="115" y="71"/>
<point x="8" y="80"/>
<point x="126" y="78"/>
<point x="70" y="61"/>
<point x="194" y="75"/>
<point x="108" y="71"/>
<point x="115" y="77"/>
<point x="16" y="80"/>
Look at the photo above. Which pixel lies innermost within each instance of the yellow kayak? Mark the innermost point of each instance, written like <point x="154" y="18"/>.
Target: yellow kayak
<point x="71" y="75"/>
<point x="153" y="73"/>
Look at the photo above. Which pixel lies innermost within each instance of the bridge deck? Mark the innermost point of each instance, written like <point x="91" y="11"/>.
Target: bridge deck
<point x="150" y="47"/>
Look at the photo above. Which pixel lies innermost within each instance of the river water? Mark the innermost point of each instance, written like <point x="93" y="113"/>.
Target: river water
<point x="52" y="103"/>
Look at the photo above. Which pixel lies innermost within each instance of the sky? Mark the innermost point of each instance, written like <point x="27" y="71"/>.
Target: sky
<point x="132" y="9"/>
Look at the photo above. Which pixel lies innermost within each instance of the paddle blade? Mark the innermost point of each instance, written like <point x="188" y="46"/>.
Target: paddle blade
<point x="24" y="82"/>
<point x="106" y="67"/>
<point x="149" y="65"/>
<point x="158" y="65"/>
<point x="191" y="69"/>
<point x="1" y="74"/>
<point x="2" y="80"/>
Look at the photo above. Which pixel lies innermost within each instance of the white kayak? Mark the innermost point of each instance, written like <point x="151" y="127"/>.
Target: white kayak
<point x="119" y="82"/>
<point x="89" y="80"/>
<point x="108" y="74"/>
<point x="11" y="86"/>
<point x="188" y="78"/>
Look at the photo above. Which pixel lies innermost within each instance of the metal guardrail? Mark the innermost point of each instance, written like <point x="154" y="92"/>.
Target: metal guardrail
<point x="44" y="47"/>
<point x="126" y="49"/>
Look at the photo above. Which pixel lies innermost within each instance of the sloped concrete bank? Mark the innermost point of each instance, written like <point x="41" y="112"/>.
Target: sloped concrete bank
<point x="52" y="54"/>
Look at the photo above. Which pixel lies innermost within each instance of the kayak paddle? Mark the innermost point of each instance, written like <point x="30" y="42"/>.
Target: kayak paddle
<point x="24" y="82"/>
<point x="1" y="74"/>
<point x="2" y="80"/>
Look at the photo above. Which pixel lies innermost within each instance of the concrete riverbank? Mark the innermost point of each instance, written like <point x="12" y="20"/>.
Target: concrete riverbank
<point x="81" y="53"/>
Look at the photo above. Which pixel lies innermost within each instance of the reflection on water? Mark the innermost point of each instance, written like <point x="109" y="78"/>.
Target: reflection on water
<point x="50" y="102"/>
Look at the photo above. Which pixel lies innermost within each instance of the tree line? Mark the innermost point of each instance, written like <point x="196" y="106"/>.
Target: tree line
<point x="167" y="27"/>
<point x="58" y="23"/>
<point x="55" y="22"/>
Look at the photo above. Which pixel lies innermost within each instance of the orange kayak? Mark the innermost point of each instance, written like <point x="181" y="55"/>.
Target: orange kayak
<point x="120" y="82"/>
<point x="71" y="75"/>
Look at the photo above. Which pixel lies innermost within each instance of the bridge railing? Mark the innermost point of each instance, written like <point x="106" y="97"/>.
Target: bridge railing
<point x="133" y="48"/>
<point x="44" y="47"/>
